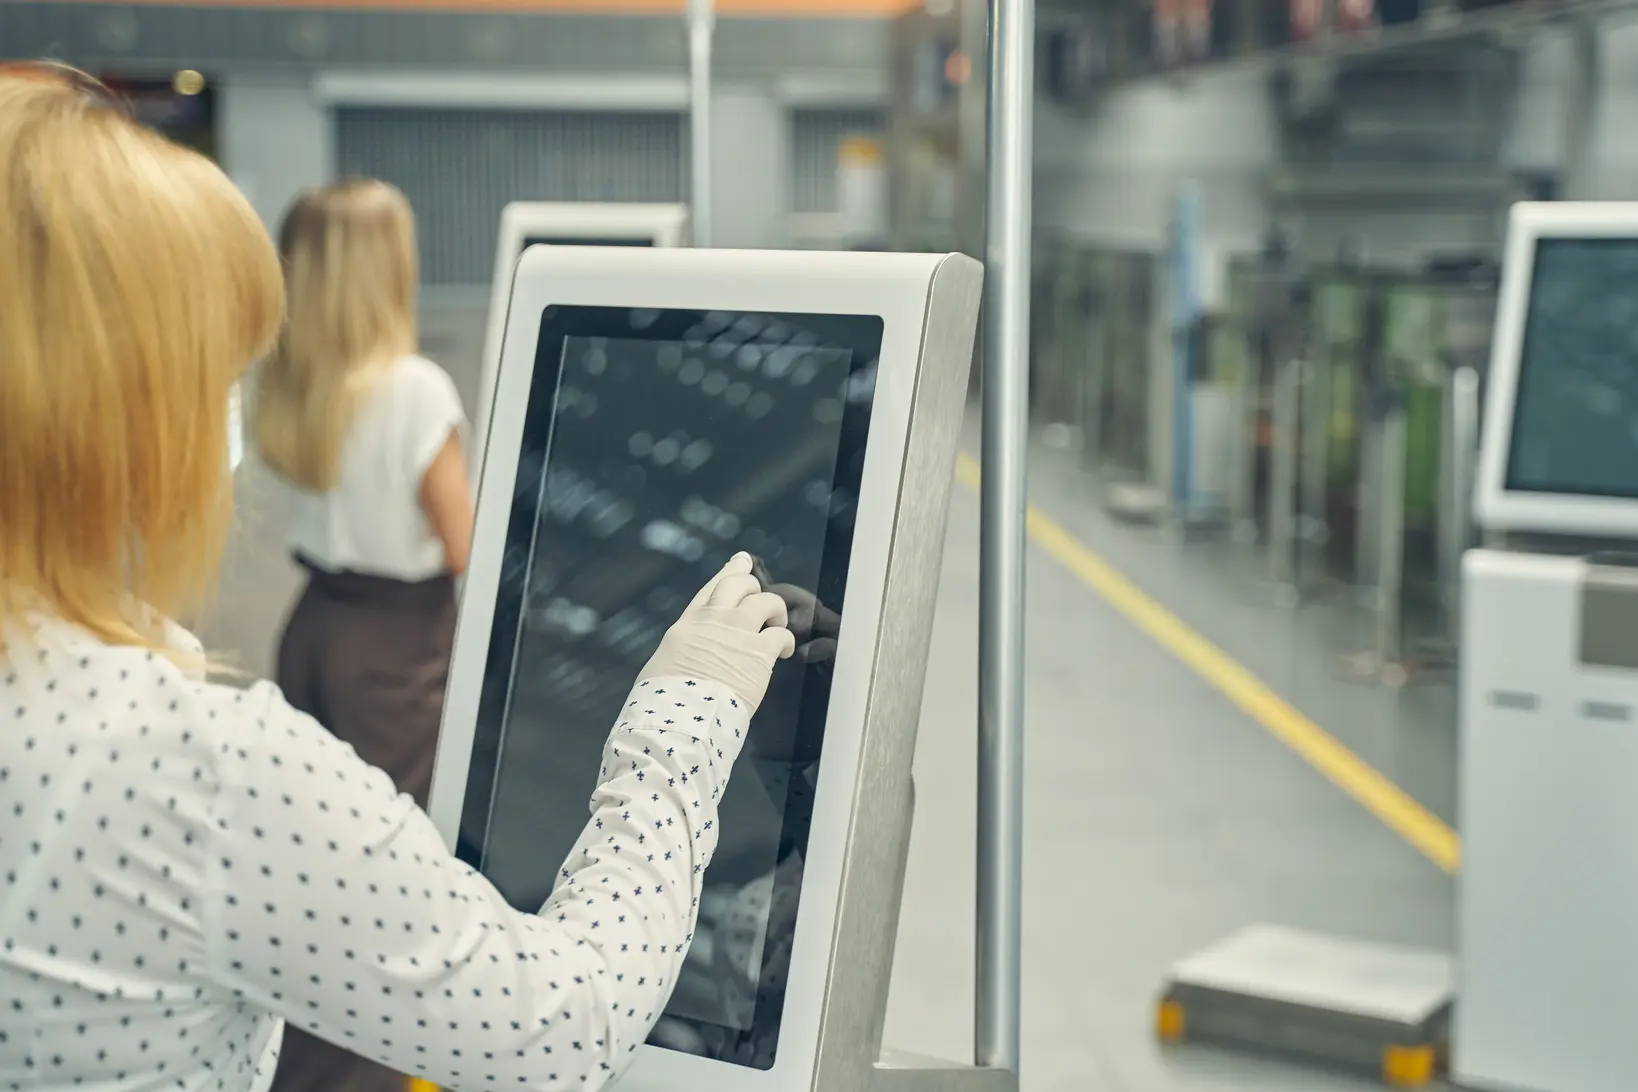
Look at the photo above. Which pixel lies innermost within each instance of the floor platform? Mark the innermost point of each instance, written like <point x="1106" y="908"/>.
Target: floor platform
<point x="1371" y="1008"/>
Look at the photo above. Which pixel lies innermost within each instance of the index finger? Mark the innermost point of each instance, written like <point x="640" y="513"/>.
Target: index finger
<point x="738" y="565"/>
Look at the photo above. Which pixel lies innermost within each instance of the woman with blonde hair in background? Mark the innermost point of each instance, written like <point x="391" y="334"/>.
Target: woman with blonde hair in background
<point x="189" y="866"/>
<point x="369" y="434"/>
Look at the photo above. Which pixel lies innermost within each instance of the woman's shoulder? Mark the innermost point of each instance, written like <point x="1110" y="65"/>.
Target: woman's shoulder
<point x="132" y="683"/>
<point x="155" y="726"/>
<point x="419" y="378"/>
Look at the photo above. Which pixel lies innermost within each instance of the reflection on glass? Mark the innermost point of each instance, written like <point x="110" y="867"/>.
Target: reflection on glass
<point x="620" y="512"/>
<point x="1575" y="417"/>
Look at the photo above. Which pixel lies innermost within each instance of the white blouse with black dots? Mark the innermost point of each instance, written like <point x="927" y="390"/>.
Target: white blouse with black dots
<point x="185" y="864"/>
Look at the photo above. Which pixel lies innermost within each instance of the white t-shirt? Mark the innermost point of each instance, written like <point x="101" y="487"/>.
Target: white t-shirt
<point x="372" y="521"/>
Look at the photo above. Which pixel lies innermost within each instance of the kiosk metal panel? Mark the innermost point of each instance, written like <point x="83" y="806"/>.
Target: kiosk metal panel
<point x="653" y="412"/>
<point x="560" y="223"/>
<point x="1560" y="450"/>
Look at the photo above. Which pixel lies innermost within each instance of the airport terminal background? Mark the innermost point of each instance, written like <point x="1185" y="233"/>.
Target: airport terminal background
<point x="1210" y="612"/>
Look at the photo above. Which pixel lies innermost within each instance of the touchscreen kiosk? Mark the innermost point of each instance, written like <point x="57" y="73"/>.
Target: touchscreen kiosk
<point x="560" y="223"/>
<point x="1560" y="449"/>
<point x="654" y="412"/>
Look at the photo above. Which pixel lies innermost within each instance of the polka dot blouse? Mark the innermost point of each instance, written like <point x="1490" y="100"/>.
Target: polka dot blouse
<point x="187" y="866"/>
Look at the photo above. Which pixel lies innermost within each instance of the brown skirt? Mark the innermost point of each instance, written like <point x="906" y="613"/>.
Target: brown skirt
<point x="368" y="658"/>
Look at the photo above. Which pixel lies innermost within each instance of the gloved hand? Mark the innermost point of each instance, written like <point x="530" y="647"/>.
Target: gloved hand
<point x="731" y="633"/>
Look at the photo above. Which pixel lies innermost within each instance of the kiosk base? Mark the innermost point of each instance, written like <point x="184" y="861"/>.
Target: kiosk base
<point x="899" y="1071"/>
<point x="1328" y="1000"/>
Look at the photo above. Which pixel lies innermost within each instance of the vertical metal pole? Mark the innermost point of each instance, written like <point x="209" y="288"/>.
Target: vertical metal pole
<point x="1011" y="94"/>
<point x="1464" y="452"/>
<point x="1094" y="361"/>
<point x="1313" y="477"/>
<point x="1282" y="474"/>
<point x="1581" y="104"/>
<point x="1390" y="550"/>
<point x="1185" y="317"/>
<point x="701" y="27"/>
<point x="1368" y="503"/>
<point x="1245" y="457"/>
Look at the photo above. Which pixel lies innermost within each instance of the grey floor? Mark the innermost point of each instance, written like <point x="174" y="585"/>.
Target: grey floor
<point x="1159" y="818"/>
<point x="1221" y="591"/>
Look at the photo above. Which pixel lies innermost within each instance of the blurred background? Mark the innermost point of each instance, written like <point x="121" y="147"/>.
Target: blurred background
<point x="1267" y="236"/>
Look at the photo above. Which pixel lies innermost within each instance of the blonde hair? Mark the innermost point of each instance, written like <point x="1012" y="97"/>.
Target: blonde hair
<point x="136" y="287"/>
<point x="349" y="255"/>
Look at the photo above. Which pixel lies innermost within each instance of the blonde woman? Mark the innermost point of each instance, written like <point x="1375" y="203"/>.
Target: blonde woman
<point x="189" y="866"/>
<point x="369" y="434"/>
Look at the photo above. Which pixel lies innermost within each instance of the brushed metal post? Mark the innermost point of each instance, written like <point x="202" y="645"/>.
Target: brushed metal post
<point x="702" y="21"/>
<point x="1004" y="495"/>
<point x="1456" y="518"/>
<point x="1282" y="476"/>
<point x="1390" y="549"/>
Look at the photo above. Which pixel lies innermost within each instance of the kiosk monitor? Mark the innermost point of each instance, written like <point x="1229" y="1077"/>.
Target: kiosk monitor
<point x="655" y="411"/>
<point x="1560" y="448"/>
<point x="560" y="223"/>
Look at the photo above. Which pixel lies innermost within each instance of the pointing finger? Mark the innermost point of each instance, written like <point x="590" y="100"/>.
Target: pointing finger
<point x="737" y="565"/>
<point x="778" y="643"/>
<point x="732" y="590"/>
<point x="763" y="610"/>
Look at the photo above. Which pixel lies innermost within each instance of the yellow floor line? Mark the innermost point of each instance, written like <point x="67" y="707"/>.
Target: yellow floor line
<point x="1426" y="832"/>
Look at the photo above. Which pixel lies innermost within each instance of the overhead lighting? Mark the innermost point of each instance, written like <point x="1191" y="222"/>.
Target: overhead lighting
<point x="188" y="82"/>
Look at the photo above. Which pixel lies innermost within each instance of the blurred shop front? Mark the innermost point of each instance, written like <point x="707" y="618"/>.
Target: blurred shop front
<point x="181" y="105"/>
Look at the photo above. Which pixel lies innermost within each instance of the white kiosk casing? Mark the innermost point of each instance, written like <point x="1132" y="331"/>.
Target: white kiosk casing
<point x="879" y="344"/>
<point x="1548" y="895"/>
<point x="562" y="223"/>
<point x="1548" y="752"/>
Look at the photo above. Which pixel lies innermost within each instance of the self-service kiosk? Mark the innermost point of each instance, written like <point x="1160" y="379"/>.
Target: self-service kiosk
<point x="560" y="223"/>
<point x="1548" y="893"/>
<point x="653" y="412"/>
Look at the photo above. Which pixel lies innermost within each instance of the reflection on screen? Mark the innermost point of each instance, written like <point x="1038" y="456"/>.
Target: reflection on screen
<point x="674" y="439"/>
<point x="1575" y="416"/>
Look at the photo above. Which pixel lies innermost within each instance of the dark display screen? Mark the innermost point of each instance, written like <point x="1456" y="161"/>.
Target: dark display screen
<point x="553" y="240"/>
<point x="1575" y="412"/>
<point x="655" y="445"/>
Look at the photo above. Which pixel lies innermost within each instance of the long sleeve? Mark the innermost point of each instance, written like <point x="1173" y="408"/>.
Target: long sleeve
<point x="332" y="900"/>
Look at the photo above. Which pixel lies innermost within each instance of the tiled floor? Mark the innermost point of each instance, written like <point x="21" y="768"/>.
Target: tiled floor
<point x="1159" y="818"/>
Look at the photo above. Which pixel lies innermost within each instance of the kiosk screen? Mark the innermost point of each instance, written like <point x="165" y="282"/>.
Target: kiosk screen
<point x="1575" y="415"/>
<point x="656" y="443"/>
<point x="565" y="240"/>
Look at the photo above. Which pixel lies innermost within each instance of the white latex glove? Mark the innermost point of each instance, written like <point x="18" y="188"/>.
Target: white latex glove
<point x="732" y="633"/>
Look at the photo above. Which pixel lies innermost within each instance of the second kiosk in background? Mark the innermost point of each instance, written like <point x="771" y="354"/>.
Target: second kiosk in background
<point x="1549" y="689"/>
<point x="559" y="223"/>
